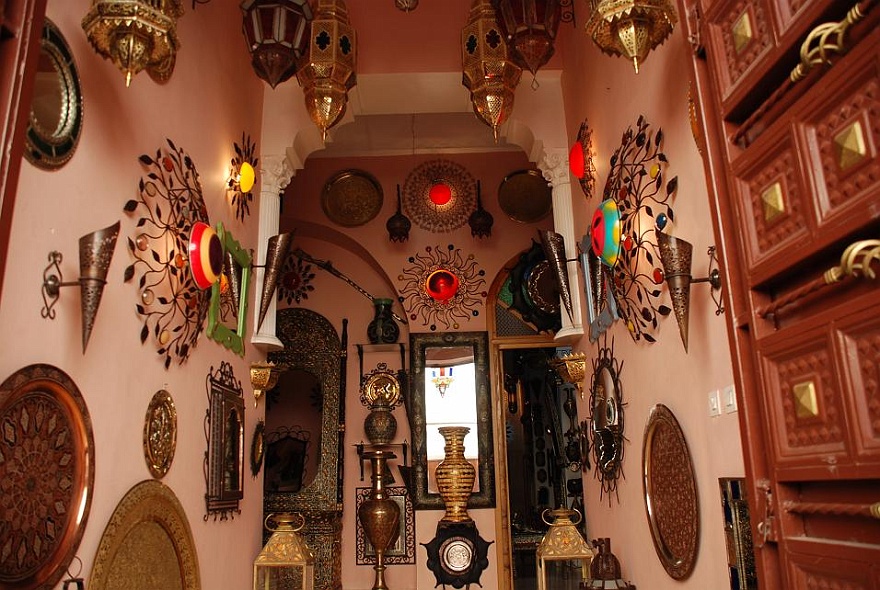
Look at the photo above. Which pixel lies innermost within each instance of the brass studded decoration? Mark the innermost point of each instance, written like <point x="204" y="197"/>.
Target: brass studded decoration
<point x="160" y="434"/>
<point x="170" y="303"/>
<point x="774" y="202"/>
<point x="849" y="146"/>
<point x="742" y="32"/>
<point x="805" y="403"/>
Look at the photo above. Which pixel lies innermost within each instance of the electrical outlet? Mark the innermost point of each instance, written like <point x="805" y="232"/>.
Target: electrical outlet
<point x="728" y="396"/>
<point x="714" y="403"/>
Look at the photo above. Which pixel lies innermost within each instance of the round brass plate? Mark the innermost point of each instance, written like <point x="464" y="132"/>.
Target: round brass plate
<point x="351" y="198"/>
<point x="525" y="196"/>
<point x="670" y="489"/>
<point x="381" y="388"/>
<point x="160" y="434"/>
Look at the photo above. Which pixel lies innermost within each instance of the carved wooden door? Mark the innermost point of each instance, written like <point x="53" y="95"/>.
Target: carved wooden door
<point x="790" y="143"/>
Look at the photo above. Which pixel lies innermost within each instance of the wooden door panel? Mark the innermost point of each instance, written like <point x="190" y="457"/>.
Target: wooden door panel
<point x="859" y="343"/>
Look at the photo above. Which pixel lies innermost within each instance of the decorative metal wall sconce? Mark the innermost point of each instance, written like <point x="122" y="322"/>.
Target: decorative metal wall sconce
<point x="406" y="5"/>
<point x="572" y="368"/>
<point x="554" y="250"/>
<point x="243" y="176"/>
<point x="675" y="255"/>
<point x="489" y="73"/>
<point x="95" y="254"/>
<point x="277" y="252"/>
<point x="328" y="69"/>
<point x="480" y="220"/>
<point x="277" y="34"/>
<point x="398" y="225"/>
<point x="580" y="160"/>
<point x="264" y="377"/>
<point x="529" y="27"/>
<point x="630" y="28"/>
<point x="136" y="35"/>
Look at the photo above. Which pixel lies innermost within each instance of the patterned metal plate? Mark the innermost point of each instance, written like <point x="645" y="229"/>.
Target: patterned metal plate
<point x="160" y="434"/>
<point x="351" y="198"/>
<point x="525" y="196"/>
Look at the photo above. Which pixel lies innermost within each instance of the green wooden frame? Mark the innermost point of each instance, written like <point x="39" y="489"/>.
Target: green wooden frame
<point x="233" y="340"/>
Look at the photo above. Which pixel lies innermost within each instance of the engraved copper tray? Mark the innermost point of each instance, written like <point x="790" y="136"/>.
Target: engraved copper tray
<point x="351" y="198"/>
<point x="47" y="472"/>
<point x="670" y="489"/>
<point x="525" y="196"/>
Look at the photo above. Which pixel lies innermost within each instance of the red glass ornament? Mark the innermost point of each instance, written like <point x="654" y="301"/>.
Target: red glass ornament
<point x="658" y="276"/>
<point x="440" y="193"/>
<point x="442" y="285"/>
<point x="576" y="162"/>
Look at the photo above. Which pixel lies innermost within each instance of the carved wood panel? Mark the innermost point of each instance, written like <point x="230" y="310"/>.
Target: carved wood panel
<point x="741" y="35"/>
<point x="860" y="344"/>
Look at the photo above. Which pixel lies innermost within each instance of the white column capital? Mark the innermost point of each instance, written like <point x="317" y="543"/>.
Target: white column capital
<point x="554" y="167"/>
<point x="275" y="173"/>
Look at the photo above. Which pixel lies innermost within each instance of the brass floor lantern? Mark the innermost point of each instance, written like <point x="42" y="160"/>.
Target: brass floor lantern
<point x="630" y="28"/>
<point x="136" y="35"/>
<point x="328" y="69"/>
<point x="286" y="562"/>
<point x="562" y="542"/>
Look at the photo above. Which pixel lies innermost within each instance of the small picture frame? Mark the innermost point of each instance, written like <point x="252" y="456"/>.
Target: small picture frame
<point x="403" y="551"/>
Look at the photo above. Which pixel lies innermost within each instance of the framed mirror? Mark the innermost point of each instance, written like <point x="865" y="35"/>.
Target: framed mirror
<point x="304" y="429"/>
<point x="606" y="419"/>
<point x="231" y="292"/>
<point x="56" y="116"/>
<point x="460" y="361"/>
<point x="224" y="459"/>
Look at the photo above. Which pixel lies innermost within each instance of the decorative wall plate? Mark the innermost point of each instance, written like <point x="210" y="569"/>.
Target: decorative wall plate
<point x="351" y="198"/>
<point x="525" y="196"/>
<point x="423" y="211"/>
<point x="670" y="489"/>
<point x="148" y="526"/>
<point x="47" y="473"/>
<point x="160" y="434"/>
<point x="258" y="448"/>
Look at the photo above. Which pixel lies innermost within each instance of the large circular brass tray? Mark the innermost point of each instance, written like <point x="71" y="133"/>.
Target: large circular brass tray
<point x="525" y="196"/>
<point x="351" y="198"/>
<point x="670" y="489"/>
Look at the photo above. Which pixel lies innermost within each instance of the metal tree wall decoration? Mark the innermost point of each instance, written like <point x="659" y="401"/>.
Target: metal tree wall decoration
<point x="637" y="182"/>
<point x="442" y="286"/>
<point x="173" y="308"/>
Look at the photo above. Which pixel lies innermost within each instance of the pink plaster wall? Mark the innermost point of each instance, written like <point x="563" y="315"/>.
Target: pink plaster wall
<point x="607" y="92"/>
<point x="211" y="98"/>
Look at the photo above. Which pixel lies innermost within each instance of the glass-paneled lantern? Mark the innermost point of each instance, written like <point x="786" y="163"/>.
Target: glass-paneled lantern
<point x="562" y="542"/>
<point x="286" y="562"/>
<point x="277" y="34"/>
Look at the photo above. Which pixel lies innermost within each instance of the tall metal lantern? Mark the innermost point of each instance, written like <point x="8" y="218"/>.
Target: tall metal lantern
<point x="276" y="32"/>
<point x="488" y="70"/>
<point x="630" y="28"/>
<point x="328" y="69"/>
<point x="561" y="542"/>
<point x="529" y="27"/>
<point x="135" y="35"/>
<point x="286" y="562"/>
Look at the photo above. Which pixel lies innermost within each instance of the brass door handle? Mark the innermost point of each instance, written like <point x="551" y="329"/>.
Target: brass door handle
<point x="855" y="262"/>
<point x="827" y="39"/>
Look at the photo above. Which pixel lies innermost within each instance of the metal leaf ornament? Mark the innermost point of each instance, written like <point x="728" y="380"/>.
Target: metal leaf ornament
<point x="170" y="201"/>
<point x="637" y="182"/>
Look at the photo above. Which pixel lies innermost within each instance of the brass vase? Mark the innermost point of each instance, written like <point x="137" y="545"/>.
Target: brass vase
<point x="380" y="515"/>
<point x="455" y="475"/>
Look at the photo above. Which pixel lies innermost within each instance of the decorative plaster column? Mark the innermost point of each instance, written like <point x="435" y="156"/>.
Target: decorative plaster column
<point x="275" y="175"/>
<point x="554" y="166"/>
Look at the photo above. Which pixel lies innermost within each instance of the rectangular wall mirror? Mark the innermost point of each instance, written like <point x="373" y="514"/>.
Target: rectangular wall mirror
<point x="449" y="387"/>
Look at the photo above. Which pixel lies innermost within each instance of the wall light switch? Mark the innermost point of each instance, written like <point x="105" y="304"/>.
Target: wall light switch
<point x="714" y="403"/>
<point x="728" y="396"/>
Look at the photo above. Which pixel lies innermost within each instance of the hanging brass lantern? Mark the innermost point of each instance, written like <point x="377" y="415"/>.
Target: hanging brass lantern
<point x="630" y="28"/>
<point x="529" y="26"/>
<point x="276" y="32"/>
<point x="328" y="69"/>
<point x="488" y="71"/>
<point x="136" y="35"/>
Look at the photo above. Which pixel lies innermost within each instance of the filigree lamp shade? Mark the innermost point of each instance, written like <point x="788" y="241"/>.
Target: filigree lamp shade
<point x="488" y="71"/>
<point x="328" y="69"/>
<point x="286" y="562"/>
<point x="529" y="26"/>
<point x="135" y="35"/>
<point x="276" y="32"/>
<point x="631" y="28"/>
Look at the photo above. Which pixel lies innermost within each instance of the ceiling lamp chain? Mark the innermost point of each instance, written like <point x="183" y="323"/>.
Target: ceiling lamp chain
<point x="277" y="34"/>
<point x="630" y="28"/>
<point x="529" y="27"/>
<point x="488" y="70"/>
<point x="328" y="68"/>
<point x="136" y="35"/>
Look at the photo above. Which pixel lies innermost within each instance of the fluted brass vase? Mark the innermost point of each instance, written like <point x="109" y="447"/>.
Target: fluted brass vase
<point x="380" y="515"/>
<point x="455" y="475"/>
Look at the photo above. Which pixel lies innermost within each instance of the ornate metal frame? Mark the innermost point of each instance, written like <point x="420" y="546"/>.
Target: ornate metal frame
<point x="224" y="431"/>
<point x="415" y="404"/>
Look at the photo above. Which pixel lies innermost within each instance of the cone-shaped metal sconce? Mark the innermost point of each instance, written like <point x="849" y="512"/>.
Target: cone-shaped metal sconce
<point x="95" y="254"/>
<point x="675" y="255"/>
<point x="276" y="253"/>
<point x="554" y="250"/>
<point x="233" y="275"/>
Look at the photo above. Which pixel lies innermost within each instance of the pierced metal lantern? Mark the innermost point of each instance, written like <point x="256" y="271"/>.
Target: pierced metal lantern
<point x="277" y="34"/>
<point x="286" y="562"/>
<point x="562" y="542"/>
<point x="630" y="28"/>
<point x="488" y="70"/>
<point x="328" y="69"/>
<point x="529" y="26"/>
